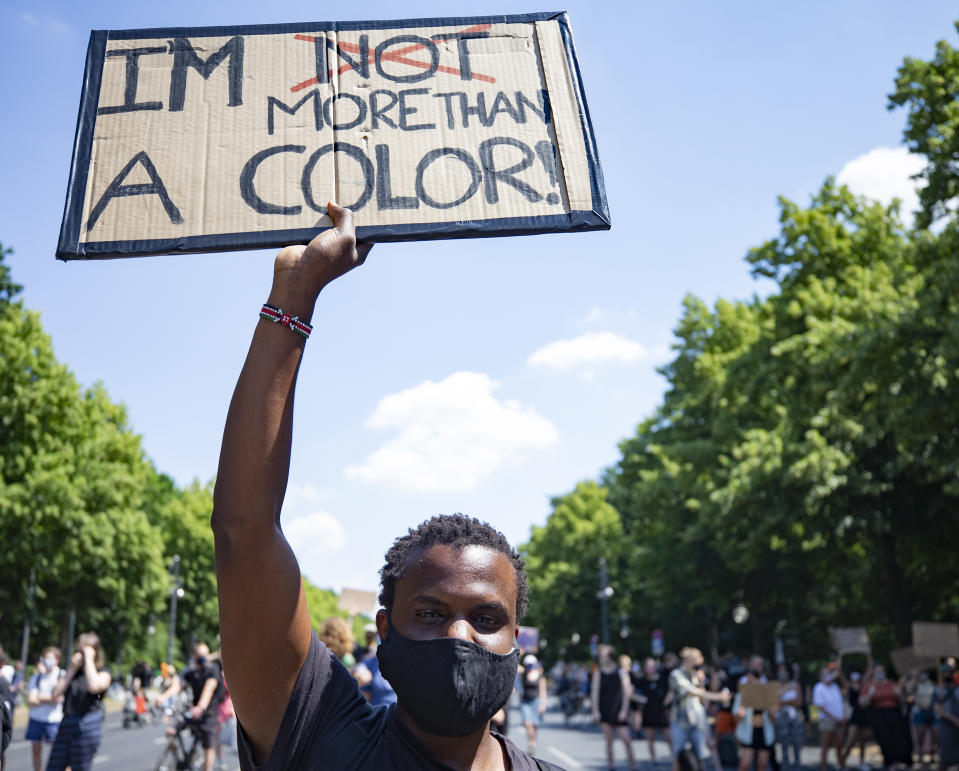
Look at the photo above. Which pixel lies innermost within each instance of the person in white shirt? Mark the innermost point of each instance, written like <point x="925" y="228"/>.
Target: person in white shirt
<point x="827" y="696"/>
<point x="46" y="710"/>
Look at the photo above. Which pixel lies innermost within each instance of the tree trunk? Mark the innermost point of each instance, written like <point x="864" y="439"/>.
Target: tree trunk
<point x="895" y="589"/>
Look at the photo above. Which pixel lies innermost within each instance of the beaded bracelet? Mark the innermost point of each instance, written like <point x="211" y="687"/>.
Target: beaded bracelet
<point x="277" y="316"/>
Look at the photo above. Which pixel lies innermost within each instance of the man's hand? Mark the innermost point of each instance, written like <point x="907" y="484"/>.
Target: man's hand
<point x="306" y="270"/>
<point x="195" y="712"/>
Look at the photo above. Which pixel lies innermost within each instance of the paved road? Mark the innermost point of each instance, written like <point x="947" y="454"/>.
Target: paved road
<point x="577" y="747"/>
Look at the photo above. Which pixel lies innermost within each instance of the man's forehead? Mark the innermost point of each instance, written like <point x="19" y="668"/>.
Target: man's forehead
<point x="445" y="564"/>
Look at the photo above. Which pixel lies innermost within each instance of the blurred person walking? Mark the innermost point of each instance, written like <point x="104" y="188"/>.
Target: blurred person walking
<point x="653" y="687"/>
<point x="82" y="689"/>
<point x="924" y="720"/>
<point x="532" y="704"/>
<point x="610" y="701"/>
<point x="46" y="711"/>
<point x="687" y="720"/>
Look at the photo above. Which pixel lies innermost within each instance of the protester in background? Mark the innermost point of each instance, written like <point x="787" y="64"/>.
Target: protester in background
<point x="947" y="709"/>
<point x="924" y="719"/>
<point x="687" y="720"/>
<point x="46" y="711"/>
<point x="6" y="713"/>
<point x="884" y="699"/>
<point x="368" y="645"/>
<point x="654" y="688"/>
<point x="610" y="701"/>
<point x="205" y="681"/>
<point x="336" y="635"/>
<point x="82" y="689"/>
<point x="225" y="726"/>
<point x="789" y="722"/>
<point x="755" y="731"/>
<point x="858" y="718"/>
<point x="827" y="697"/>
<point x="532" y="704"/>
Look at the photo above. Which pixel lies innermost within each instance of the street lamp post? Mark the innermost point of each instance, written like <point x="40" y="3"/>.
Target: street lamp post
<point x="604" y="593"/>
<point x="176" y="591"/>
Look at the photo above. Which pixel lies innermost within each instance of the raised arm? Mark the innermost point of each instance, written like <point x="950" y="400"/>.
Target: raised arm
<point x="264" y="623"/>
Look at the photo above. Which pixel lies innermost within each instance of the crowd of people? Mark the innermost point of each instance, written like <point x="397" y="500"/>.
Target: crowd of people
<point x="701" y="712"/>
<point x="66" y="708"/>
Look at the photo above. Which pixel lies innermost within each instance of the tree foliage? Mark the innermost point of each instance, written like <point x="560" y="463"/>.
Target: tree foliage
<point x="87" y="520"/>
<point x="804" y="461"/>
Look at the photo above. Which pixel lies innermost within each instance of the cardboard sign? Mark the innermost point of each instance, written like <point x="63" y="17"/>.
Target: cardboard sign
<point x="355" y="601"/>
<point x="528" y="638"/>
<point x="850" y="639"/>
<point x="759" y="696"/>
<point x="906" y="660"/>
<point x="936" y="640"/>
<point x="219" y="138"/>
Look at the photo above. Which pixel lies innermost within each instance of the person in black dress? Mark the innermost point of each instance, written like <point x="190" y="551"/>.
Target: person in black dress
<point x="654" y="687"/>
<point x="81" y="729"/>
<point x="610" y="697"/>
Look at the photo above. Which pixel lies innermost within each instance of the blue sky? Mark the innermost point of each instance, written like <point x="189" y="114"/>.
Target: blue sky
<point x="479" y="376"/>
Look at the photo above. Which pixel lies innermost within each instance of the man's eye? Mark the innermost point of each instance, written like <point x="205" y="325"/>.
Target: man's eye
<point x="488" y="621"/>
<point x="428" y="614"/>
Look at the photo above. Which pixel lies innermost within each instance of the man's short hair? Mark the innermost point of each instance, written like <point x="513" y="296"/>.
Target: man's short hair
<point x="456" y="530"/>
<point x="687" y="653"/>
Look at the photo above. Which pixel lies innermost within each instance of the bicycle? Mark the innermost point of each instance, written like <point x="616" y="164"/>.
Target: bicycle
<point x="183" y="751"/>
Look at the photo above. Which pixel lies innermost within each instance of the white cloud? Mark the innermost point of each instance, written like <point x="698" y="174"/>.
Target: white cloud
<point x="589" y="348"/>
<point x="313" y="534"/>
<point x="883" y="174"/>
<point x="303" y="494"/>
<point x="451" y="435"/>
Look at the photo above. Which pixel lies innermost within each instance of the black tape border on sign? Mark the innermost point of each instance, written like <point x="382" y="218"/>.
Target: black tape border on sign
<point x="70" y="248"/>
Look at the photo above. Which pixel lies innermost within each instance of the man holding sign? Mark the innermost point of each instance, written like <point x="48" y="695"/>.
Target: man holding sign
<point x="453" y="590"/>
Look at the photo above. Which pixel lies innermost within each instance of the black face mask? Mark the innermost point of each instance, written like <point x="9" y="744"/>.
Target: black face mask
<point x="450" y="687"/>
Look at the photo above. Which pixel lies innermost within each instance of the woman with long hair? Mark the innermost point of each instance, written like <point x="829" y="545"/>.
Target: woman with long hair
<point x="611" y="690"/>
<point x="82" y="688"/>
<point x="338" y="637"/>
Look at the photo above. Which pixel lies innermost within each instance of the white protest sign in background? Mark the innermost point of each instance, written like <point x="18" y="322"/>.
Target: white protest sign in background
<point x="227" y="138"/>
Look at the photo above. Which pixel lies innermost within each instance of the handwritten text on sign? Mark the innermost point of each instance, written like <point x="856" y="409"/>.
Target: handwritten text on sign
<point x="203" y="135"/>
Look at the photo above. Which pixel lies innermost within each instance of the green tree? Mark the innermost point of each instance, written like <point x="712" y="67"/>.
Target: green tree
<point x="930" y="92"/>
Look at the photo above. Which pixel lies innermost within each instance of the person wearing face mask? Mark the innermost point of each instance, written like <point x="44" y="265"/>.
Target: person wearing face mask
<point x="45" y="710"/>
<point x="82" y="689"/>
<point x="789" y="723"/>
<point x="452" y="589"/>
<point x="206" y="686"/>
<point x="883" y="697"/>
<point x="858" y="719"/>
<point x="827" y="697"/>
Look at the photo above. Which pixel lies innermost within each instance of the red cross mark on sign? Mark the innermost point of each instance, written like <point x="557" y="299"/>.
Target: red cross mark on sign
<point x="399" y="55"/>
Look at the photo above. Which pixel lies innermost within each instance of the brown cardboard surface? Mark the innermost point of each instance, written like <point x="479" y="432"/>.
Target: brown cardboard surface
<point x="906" y="660"/>
<point x="850" y="639"/>
<point x="759" y="696"/>
<point x="201" y="138"/>
<point x="355" y="601"/>
<point x="932" y="639"/>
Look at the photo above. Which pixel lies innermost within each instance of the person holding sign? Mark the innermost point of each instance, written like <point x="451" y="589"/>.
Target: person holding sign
<point x="453" y="589"/>
<point x="755" y="731"/>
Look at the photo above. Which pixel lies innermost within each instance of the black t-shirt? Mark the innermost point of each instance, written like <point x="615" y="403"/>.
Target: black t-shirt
<point x="78" y="701"/>
<point x="329" y="725"/>
<point x="196" y="678"/>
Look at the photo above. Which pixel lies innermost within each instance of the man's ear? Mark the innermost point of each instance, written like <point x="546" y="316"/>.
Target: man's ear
<point x="381" y="623"/>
